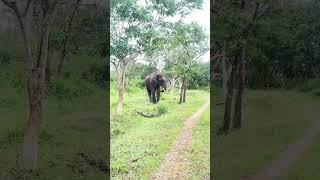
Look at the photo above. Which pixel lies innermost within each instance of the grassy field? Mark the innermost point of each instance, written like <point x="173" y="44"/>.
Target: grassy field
<point x="138" y="144"/>
<point x="200" y="152"/>
<point x="307" y="167"/>
<point x="73" y="123"/>
<point x="272" y="120"/>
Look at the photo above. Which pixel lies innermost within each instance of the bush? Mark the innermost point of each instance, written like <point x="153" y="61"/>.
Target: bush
<point x="161" y="109"/>
<point x="134" y="85"/>
<point x="96" y="73"/>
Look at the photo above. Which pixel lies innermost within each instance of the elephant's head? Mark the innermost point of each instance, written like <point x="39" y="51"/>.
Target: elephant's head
<point x="162" y="80"/>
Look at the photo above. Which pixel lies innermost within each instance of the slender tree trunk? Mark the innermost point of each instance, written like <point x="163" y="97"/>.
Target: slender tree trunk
<point x="224" y="73"/>
<point x="31" y="137"/>
<point x="173" y="84"/>
<point x="36" y="74"/>
<point x="66" y="40"/>
<point x="48" y="70"/>
<point x="240" y="84"/>
<point x="121" y="92"/>
<point x="228" y="103"/>
<point x="36" y="88"/>
<point x="184" y="90"/>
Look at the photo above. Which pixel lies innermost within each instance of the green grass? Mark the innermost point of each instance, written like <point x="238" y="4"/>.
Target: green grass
<point x="73" y="122"/>
<point x="139" y="144"/>
<point x="199" y="168"/>
<point x="307" y="166"/>
<point x="272" y="120"/>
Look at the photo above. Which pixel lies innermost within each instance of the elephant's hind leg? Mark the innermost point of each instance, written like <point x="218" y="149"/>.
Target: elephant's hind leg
<point x="158" y="94"/>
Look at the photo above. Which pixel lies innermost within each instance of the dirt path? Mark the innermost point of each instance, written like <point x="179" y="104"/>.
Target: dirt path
<point x="175" y="162"/>
<point x="280" y="166"/>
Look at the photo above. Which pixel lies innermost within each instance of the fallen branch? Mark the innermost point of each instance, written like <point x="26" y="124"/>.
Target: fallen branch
<point x="147" y="115"/>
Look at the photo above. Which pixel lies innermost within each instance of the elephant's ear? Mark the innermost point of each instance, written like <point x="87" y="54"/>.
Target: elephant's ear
<point x="159" y="77"/>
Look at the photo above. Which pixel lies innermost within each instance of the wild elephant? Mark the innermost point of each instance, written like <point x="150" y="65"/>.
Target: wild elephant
<point x="153" y="83"/>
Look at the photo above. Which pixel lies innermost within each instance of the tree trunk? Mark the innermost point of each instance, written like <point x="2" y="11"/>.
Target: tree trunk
<point x="240" y="84"/>
<point x="48" y="70"/>
<point x="224" y="73"/>
<point x="36" y="90"/>
<point x="184" y="89"/>
<point x="36" y="74"/>
<point x="228" y="103"/>
<point x="173" y="84"/>
<point x="121" y="92"/>
<point x="66" y="40"/>
<point x="31" y="137"/>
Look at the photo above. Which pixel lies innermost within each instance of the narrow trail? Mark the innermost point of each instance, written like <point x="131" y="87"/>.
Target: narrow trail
<point x="279" y="166"/>
<point x="175" y="162"/>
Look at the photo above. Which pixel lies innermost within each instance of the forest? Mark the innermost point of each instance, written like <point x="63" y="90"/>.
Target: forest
<point x="153" y="42"/>
<point x="265" y="69"/>
<point x="53" y="74"/>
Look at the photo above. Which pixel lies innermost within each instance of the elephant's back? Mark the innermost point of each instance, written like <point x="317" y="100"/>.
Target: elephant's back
<point x="147" y="80"/>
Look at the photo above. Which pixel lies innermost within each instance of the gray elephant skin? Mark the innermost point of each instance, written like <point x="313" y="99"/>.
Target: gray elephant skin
<point x="153" y="83"/>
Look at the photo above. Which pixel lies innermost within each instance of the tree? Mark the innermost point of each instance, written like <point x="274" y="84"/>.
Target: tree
<point x="136" y="29"/>
<point x="186" y="44"/>
<point x="34" y="17"/>
<point x="235" y="13"/>
<point x="67" y="34"/>
<point x="127" y="24"/>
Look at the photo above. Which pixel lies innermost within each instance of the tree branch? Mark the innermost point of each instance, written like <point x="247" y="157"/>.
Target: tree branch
<point x="26" y="9"/>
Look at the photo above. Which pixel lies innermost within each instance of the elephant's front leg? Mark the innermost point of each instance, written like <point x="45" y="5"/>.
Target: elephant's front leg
<point x="149" y="94"/>
<point x="153" y="95"/>
<point x="158" y="94"/>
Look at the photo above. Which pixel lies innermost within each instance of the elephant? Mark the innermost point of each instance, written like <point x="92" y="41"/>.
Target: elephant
<point x="153" y="83"/>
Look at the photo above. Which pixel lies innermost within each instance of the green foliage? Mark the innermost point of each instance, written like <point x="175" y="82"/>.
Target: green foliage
<point x="135" y="152"/>
<point x="162" y="109"/>
<point x="199" y="76"/>
<point x="87" y="34"/>
<point x="185" y="44"/>
<point x="142" y="28"/>
<point x="283" y="49"/>
<point x="70" y="89"/>
<point x="273" y="116"/>
<point x="97" y="73"/>
<point x="72" y="103"/>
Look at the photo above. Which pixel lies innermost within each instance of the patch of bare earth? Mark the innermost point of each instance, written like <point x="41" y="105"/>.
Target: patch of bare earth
<point x="175" y="162"/>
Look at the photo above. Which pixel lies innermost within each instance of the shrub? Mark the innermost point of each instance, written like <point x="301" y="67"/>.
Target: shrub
<point x="96" y="73"/>
<point x="161" y="109"/>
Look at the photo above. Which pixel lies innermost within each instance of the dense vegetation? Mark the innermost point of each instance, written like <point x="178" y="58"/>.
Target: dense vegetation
<point x="144" y="40"/>
<point x="68" y="125"/>
<point x="284" y="47"/>
<point x="135" y="152"/>
<point x="266" y="79"/>
<point x="273" y="120"/>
